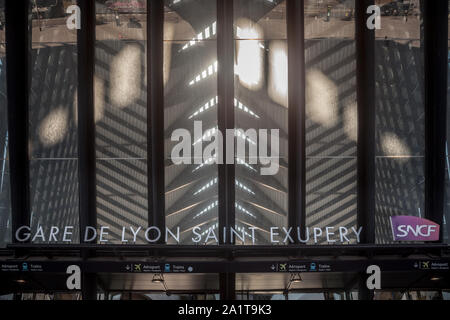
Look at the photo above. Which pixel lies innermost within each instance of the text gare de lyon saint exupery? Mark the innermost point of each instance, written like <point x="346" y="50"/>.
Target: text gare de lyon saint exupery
<point x="154" y="234"/>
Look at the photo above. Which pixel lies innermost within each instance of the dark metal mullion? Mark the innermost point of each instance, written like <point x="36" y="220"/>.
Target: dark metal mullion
<point x="435" y="26"/>
<point x="86" y="136"/>
<point x="18" y="81"/>
<point x="86" y="120"/>
<point x="155" y="115"/>
<point x="225" y="115"/>
<point x="227" y="282"/>
<point x="296" y="119"/>
<point x="225" y="119"/>
<point x="365" y="87"/>
<point x="365" y="92"/>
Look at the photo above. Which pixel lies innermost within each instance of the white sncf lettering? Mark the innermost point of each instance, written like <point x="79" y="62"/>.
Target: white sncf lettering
<point x="419" y="230"/>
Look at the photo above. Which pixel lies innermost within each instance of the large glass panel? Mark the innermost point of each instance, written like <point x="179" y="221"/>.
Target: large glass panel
<point x="399" y="116"/>
<point x="5" y="204"/>
<point x="190" y="96"/>
<point x="52" y="120"/>
<point x="120" y="85"/>
<point x="261" y="88"/>
<point x="331" y="121"/>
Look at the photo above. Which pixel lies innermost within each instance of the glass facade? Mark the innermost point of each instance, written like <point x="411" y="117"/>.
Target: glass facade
<point x="258" y="87"/>
<point x="53" y="143"/>
<point x="120" y="99"/>
<point x="191" y="102"/>
<point x="190" y="98"/>
<point x="261" y="102"/>
<point x="331" y="116"/>
<point x="400" y="116"/>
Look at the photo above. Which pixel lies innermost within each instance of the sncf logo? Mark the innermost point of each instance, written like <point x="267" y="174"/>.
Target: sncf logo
<point x="407" y="228"/>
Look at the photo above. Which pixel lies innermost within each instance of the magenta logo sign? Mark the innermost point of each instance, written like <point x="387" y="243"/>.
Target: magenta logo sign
<point x="408" y="228"/>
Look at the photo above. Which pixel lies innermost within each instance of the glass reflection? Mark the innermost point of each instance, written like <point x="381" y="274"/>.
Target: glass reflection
<point x="261" y="103"/>
<point x="120" y="87"/>
<point x="400" y="123"/>
<point x="53" y="140"/>
<point x="329" y="19"/>
<point x="331" y="117"/>
<point x="190" y="93"/>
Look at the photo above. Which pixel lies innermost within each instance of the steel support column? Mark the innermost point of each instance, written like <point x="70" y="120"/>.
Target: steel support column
<point x="296" y="91"/>
<point x="363" y="292"/>
<point x="89" y="286"/>
<point x="86" y="118"/>
<point x="86" y="136"/>
<point x="18" y="81"/>
<point x="155" y="115"/>
<point x="365" y="87"/>
<point x="435" y="25"/>
<point x="225" y="57"/>
<point x="227" y="282"/>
